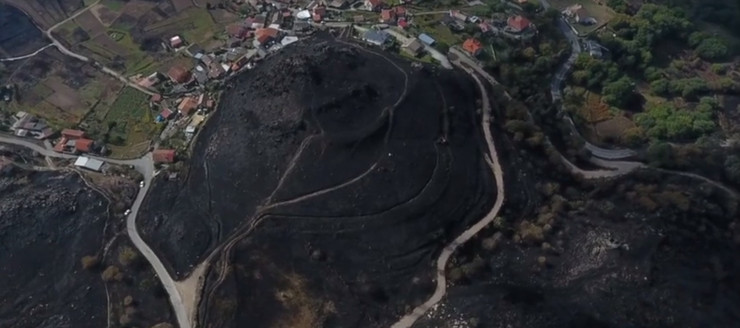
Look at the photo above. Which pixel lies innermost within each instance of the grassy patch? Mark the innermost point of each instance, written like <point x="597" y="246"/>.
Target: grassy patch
<point x="129" y="122"/>
<point x="200" y="25"/>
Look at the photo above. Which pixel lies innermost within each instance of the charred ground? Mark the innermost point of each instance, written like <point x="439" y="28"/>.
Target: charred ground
<point x="646" y="250"/>
<point x="59" y="237"/>
<point x="359" y="169"/>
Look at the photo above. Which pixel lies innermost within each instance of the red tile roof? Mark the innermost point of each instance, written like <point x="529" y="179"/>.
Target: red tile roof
<point x="166" y="113"/>
<point x="265" y="34"/>
<point x="518" y="22"/>
<point x="187" y="105"/>
<point x="83" y="145"/>
<point x="163" y="155"/>
<point x="400" y="10"/>
<point x="73" y="134"/>
<point x="375" y="3"/>
<point x="472" y="46"/>
<point x="403" y="23"/>
<point x="156" y="98"/>
<point x="387" y="15"/>
<point x="179" y="74"/>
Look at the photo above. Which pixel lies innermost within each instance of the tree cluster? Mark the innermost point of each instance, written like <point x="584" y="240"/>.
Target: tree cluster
<point x="665" y="121"/>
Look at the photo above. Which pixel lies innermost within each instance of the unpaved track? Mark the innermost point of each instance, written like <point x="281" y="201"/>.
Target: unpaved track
<point x="493" y="161"/>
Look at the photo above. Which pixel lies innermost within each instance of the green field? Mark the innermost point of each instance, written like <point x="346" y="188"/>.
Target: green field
<point x="129" y="122"/>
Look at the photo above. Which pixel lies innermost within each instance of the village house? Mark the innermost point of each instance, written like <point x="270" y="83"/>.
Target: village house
<point x="378" y="38"/>
<point x="156" y="98"/>
<point x="165" y="115"/>
<point x="179" y="75"/>
<point x="373" y="5"/>
<point x="388" y="16"/>
<point x="73" y="142"/>
<point x="187" y="105"/>
<point x="258" y="22"/>
<point x="413" y="48"/>
<point x="426" y="39"/>
<point x="473" y="47"/>
<point x="163" y="156"/>
<point x="265" y="37"/>
<point x="518" y="24"/>
<point x="176" y="42"/>
<point x="27" y="125"/>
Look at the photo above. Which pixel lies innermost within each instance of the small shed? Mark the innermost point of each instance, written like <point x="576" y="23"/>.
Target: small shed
<point x="89" y="163"/>
<point x="426" y="39"/>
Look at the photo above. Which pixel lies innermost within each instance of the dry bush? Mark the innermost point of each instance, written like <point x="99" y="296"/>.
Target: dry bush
<point x="90" y="262"/>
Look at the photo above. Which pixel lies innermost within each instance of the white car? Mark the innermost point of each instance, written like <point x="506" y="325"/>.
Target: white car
<point x="474" y="19"/>
<point x="141" y="184"/>
<point x="128" y="211"/>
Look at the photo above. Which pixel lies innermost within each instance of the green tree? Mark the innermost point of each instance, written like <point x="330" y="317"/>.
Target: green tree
<point x="712" y="48"/>
<point x="661" y="87"/>
<point x="619" y="93"/>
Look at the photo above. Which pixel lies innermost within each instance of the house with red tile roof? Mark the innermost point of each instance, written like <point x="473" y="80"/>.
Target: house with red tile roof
<point x="400" y="11"/>
<point x="163" y="156"/>
<point x="179" y="74"/>
<point x="156" y="98"/>
<point x="472" y="46"/>
<point x="388" y="16"/>
<point x="187" y="105"/>
<point x="83" y="145"/>
<point x="518" y="23"/>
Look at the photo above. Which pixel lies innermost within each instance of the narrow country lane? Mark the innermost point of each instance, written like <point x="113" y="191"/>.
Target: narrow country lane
<point x="408" y="320"/>
<point x="27" y="55"/>
<point x="145" y="166"/>
<point x="557" y="93"/>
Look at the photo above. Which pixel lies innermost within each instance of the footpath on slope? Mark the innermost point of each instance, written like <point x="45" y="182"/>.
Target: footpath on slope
<point x="444" y="257"/>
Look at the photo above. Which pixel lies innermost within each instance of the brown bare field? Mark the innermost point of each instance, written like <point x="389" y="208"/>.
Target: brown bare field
<point x="64" y="97"/>
<point x="593" y="109"/>
<point x="613" y="128"/>
<point x="90" y="23"/>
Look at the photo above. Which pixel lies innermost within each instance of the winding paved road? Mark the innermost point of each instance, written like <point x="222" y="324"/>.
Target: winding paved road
<point x="444" y="257"/>
<point x="145" y="166"/>
<point x="557" y="94"/>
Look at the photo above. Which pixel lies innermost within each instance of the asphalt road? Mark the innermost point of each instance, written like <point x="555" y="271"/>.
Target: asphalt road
<point x="557" y="94"/>
<point x="408" y="320"/>
<point x="145" y="166"/>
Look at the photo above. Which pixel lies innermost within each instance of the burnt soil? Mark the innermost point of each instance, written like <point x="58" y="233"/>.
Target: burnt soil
<point x="48" y="222"/>
<point x="673" y="261"/>
<point x="18" y="35"/>
<point x="369" y="201"/>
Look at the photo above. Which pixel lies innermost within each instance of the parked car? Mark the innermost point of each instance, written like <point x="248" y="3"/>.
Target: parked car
<point x="128" y="211"/>
<point x="141" y="184"/>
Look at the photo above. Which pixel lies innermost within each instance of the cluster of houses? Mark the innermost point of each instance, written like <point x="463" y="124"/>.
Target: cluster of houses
<point x="27" y="125"/>
<point x="76" y="142"/>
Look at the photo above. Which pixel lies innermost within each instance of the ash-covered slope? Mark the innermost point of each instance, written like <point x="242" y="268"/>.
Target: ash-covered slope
<point x="48" y="222"/>
<point x="353" y="168"/>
